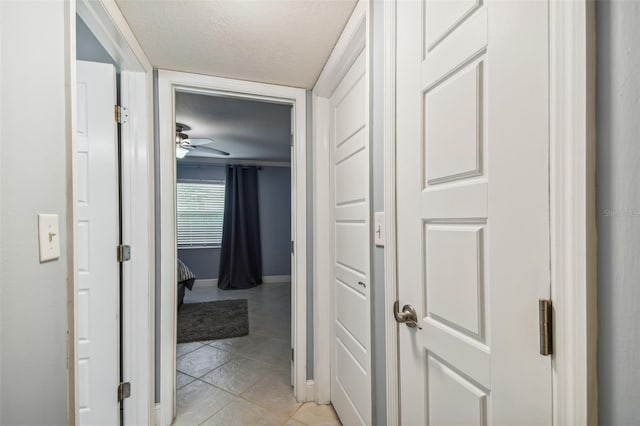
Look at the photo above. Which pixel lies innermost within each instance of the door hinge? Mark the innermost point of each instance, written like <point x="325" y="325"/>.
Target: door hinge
<point x="292" y="355"/>
<point x="545" y="312"/>
<point x="292" y="248"/>
<point x="124" y="253"/>
<point x="291" y="139"/>
<point x="121" y="114"/>
<point x="124" y="391"/>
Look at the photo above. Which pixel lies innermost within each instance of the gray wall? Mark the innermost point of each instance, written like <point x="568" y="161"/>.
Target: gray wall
<point x="33" y="179"/>
<point x="274" y="198"/>
<point x="377" y="176"/>
<point x="618" y="215"/>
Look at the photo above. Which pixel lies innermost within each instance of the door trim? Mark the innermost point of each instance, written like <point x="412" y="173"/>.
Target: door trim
<point x="353" y="40"/>
<point x="168" y="83"/>
<point x="107" y="23"/>
<point x="389" y="142"/>
<point x="573" y="210"/>
<point x="572" y="204"/>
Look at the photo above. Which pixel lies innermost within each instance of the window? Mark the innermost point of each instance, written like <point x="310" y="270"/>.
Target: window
<point x="200" y="210"/>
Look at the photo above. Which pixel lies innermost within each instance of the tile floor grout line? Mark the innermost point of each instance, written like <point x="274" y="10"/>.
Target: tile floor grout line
<point x="214" y="414"/>
<point x="212" y="370"/>
<point x="250" y="401"/>
<point x="297" y="409"/>
<point x="187" y="353"/>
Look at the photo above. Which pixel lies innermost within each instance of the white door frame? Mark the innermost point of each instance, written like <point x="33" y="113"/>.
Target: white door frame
<point x="572" y="204"/>
<point x="168" y="83"/>
<point x="107" y="23"/>
<point x="354" y="39"/>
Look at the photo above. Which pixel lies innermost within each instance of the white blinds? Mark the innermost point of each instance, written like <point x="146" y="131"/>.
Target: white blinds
<point x="200" y="210"/>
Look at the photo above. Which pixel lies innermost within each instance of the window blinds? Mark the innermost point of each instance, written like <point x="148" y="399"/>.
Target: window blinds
<point x="200" y="213"/>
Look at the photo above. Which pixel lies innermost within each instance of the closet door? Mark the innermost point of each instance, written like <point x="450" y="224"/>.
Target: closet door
<point x="351" y="325"/>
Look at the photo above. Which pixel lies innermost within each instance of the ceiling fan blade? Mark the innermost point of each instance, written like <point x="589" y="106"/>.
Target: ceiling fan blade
<point x="199" y="141"/>
<point x="217" y="151"/>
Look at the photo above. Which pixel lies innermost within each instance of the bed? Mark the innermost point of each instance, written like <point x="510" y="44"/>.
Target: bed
<point x="186" y="279"/>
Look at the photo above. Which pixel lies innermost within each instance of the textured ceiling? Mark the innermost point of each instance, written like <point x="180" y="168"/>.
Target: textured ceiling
<point x="284" y="42"/>
<point x="246" y="129"/>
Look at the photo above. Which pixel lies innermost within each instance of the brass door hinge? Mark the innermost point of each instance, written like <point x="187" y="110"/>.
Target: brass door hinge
<point x="121" y="114"/>
<point x="545" y="313"/>
<point x="124" y="253"/>
<point x="124" y="391"/>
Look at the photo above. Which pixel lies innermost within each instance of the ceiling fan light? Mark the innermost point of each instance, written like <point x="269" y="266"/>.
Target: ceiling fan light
<point x="181" y="152"/>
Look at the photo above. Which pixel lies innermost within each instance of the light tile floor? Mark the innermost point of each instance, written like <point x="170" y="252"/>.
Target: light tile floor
<point x="244" y="381"/>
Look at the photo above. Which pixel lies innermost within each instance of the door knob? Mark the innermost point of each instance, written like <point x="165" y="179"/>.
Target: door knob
<point x="408" y="315"/>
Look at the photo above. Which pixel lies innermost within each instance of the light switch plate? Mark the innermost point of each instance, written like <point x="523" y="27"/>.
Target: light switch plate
<point x="378" y="229"/>
<point x="49" y="237"/>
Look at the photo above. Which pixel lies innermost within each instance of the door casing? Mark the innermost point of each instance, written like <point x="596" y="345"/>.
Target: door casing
<point x="572" y="201"/>
<point x="168" y="83"/>
<point x="107" y="23"/>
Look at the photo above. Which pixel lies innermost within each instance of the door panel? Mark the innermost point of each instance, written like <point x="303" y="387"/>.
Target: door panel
<point x="453" y="399"/>
<point x="454" y="152"/>
<point x="473" y="218"/>
<point x="462" y="245"/>
<point x="351" y="325"/>
<point x="97" y="227"/>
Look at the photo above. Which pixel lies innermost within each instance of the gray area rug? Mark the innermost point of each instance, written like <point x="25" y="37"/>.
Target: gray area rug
<point x="213" y="320"/>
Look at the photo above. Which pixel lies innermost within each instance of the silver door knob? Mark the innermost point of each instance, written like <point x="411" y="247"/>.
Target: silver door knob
<point x="408" y="315"/>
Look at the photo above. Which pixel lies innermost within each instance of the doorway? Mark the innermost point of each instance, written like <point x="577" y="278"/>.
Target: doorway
<point x="233" y="211"/>
<point x="171" y="86"/>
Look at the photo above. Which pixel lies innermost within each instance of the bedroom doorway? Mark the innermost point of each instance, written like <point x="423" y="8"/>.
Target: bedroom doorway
<point x="233" y="212"/>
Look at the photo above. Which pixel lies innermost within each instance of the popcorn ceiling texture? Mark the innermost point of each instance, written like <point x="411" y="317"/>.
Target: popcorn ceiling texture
<point x="281" y="42"/>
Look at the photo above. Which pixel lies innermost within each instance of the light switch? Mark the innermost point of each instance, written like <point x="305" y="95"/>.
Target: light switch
<point x="378" y="229"/>
<point x="49" y="237"/>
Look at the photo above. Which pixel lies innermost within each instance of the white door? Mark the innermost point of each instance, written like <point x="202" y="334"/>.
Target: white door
<point x="351" y="324"/>
<point x="473" y="210"/>
<point x="97" y="230"/>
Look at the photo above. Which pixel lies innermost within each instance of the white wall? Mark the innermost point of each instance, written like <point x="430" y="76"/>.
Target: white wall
<point x="33" y="180"/>
<point x="618" y="199"/>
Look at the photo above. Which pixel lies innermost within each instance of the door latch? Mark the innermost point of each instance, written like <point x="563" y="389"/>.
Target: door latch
<point x="408" y="315"/>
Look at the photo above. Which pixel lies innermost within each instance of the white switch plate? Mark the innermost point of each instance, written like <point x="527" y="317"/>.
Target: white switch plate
<point x="49" y="237"/>
<point x="378" y="229"/>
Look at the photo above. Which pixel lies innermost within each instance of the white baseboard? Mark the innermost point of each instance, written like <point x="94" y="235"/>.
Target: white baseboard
<point x="268" y="279"/>
<point x="208" y="282"/>
<point x="310" y="391"/>
<point x="272" y="279"/>
<point x="157" y="414"/>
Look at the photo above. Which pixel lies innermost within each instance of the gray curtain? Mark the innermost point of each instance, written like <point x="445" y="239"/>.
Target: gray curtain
<point x="240" y="254"/>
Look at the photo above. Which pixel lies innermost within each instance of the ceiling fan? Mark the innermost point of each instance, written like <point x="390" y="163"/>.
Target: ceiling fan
<point x="185" y="144"/>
